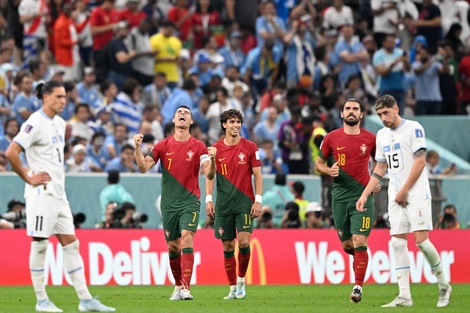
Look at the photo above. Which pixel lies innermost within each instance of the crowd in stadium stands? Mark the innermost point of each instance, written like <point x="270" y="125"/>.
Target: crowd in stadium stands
<point x="287" y="65"/>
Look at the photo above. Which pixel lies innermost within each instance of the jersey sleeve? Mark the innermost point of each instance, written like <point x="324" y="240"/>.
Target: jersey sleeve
<point x="203" y="155"/>
<point x="156" y="151"/>
<point x="325" y="150"/>
<point x="28" y="134"/>
<point x="417" y="138"/>
<point x="379" y="151"/>
<point x="255" y="160"/>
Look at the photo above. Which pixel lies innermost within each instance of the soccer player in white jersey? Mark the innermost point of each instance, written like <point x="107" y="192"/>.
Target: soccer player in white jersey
<point x="401" y="148"/>
<point x="47" y="209"/>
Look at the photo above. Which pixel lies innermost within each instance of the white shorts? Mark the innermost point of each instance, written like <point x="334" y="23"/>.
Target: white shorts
<point x="47" y="216"/>
<point x="416" y="216"/>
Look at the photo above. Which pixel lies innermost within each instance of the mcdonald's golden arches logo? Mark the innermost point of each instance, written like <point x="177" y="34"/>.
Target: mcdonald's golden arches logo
<point x="255" y="245"/>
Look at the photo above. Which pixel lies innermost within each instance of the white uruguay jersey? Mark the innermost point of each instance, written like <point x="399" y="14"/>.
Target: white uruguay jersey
<point x="396" y="147"/>
<point x="42" y="138"/>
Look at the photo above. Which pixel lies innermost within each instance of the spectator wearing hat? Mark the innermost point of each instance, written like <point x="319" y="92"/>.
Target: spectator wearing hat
<point x="82" y="21"/>
<point x="66" y="44"/>
<point x="114" y="192"/>
<point x="97" y="154"/>
<point x="168" y="49"/>
<point x="203" y="20"/>
<point x="179" y="97"/>
<point x="143" y="64"/>
<point x="25" y="103"/>
<point x="259" y="66"/>
<point x="314" y="216"/>
<point x="232" y="52"/>
<point x="300" y="57"/>
<point x="77" y="163"/>
<point x="71" y="99"/>
<point x="119" y="56"/>
<point x="210" y="48"/>
<point x="87" y="91"/>
<point x="132" y="14"/>
<point x="204" y="69"/>
<point x="277" y="197"/>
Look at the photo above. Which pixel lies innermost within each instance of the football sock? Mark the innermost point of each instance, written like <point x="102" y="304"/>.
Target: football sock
<point x="243" y="260"/>
<point x="73" y="263"/>
<point x="230" y="267"/>
<point x="434" y="261"/>
<point x="402" y="266"/>
<point x="37" y="257"/>
<point x="361" y="259"/>
<point x="175" y="265"/>
<point x="187" y="262"/>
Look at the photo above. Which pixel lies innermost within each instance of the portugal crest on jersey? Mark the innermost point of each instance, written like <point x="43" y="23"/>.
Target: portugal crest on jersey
<point x="220" y="231"/>
<point x="241" y="158"/>
<point x="363" y="149"/>
<point x="190" y="154"/>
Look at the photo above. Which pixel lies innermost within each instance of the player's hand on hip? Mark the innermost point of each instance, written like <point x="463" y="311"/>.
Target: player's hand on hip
<point x="138" y="139"/>
<point x="377" y="189"/>
<point x="212" y="151"/>
<point x="360" y="204"/>
<point x="210" y="210"/>
<point x="255" y="210"/>
<point x="36" y="179"/>
<point x="334" y="169"/>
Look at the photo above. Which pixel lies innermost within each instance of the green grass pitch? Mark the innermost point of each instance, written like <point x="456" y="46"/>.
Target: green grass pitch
<point x="311" y="298"/>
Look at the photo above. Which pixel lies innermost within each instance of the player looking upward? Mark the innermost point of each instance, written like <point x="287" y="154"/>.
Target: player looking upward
<point x="401" y="148"/>
<point x="181" y="157"/>
<point x="236" y="206"/>
<point x="351" y="147"/>
<point x="47" y="209"/>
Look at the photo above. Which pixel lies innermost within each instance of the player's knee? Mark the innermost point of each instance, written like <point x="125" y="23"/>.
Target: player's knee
<point x="40" y="246"/>
<point x="398" y="243"/>
<point x="173" y="247"/>
<point x="347" y="245"/>
<point x="243" y="243"/>
<point x="187" y="239"/>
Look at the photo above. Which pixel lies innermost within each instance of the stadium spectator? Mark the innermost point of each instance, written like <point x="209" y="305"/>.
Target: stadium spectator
<point x="448" y="218"/>
<point x="71" y="99"/>
<point x="81" y="17"/>
<point x="97" y="154"/>
<point x="386" y="19"/>
<point x="154" y="14"/>
<point x="33" y="16"/>
<point x="267" y="129"/>
<point x="200" y="114"/>
<point x="429" y="24"/>
<point x="314" y="216"/>
<point x="168" y="49"/>
<point x="151" y="115"/>
<point x="132" y="14"/>
<point x="181" y="16"/>
<point x="77" y="163"/>
<point x="127" y="108"/>
<point x="337" y="15"/>
<point x="158" y="92"/>
<point x="232" y="79"/>
<point x="125" y="162"/>
<point x="270" y="158"/>
<point x="205" y="70"/>
<point x="433" y="167"/>
<point x="232" y="52"/>
<point x="114" y="142"/>
<point x="179" y="97"/>
<point x="204" y="19"/>
<point x="25" y="103"/>
<point x="113" y="193"/>
<point x="86" y="89"/>
<point x="448" y="81"/>
<point x="265" y="220"/>
<point x="269" y="26"/>
<point x="297" y="189"/>
<point x="143" y="63"/>
<point x="291" y="217"/>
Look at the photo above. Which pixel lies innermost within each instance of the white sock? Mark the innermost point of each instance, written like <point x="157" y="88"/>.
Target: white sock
<point x="74" y="265"/>
<point x="178" y="288"/>
<point x="233" y="288"/>
<point x="37" y="257"/>
<point x="434" y="261"/>
<point x="240" y="279"/>
<point x="402" y="266"/>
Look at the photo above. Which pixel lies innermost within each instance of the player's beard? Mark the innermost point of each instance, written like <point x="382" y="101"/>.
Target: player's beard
<point x="351" y="122"/>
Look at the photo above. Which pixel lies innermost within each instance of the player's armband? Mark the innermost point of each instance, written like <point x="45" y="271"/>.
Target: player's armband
<point x="204" y="158"/>
<point x="377" y="176"/>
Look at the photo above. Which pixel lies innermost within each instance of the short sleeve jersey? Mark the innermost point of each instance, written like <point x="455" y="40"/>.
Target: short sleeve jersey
<point x="42" y="138"/>
<point x="353" y="153"/>
<point x="180" y="163"/>
<point x="396" y="147"/>
<point x="234" y="176"/>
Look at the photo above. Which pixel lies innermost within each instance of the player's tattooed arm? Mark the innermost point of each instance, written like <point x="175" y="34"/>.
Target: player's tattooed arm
<point x="419" y="153"/>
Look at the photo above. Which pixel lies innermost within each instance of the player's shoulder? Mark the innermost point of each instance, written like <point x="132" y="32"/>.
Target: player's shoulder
<point x="248" y="143"/>
<point x="367" y="133"/>
<point x="409" y="124"/>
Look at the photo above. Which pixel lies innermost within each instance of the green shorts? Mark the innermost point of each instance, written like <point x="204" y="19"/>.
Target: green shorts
<point x="349" y="221"/>
<point x="176" y="221"/>
<point x="226" y="226"/>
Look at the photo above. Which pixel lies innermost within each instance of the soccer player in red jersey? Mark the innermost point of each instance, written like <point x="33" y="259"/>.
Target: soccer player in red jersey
<point x="350" y="149"/>
<point x="236" y="205"/>
<point x="181" y="157"/>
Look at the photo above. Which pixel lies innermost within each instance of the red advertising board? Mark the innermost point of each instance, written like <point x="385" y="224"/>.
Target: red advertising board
<point x="139" y="257"/>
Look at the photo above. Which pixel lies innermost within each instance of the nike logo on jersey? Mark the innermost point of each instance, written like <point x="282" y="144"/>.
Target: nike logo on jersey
<point x="246" y="226"/>
<point x="191" y="224"/>
<point x="169" y="153"/>
<point x="340" y="148"/>
<point x="363" y="229"/>
<point x="221" y="159"/>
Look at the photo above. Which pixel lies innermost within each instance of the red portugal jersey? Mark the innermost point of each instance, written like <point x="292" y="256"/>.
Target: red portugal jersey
<point x="353" y="153"/>
<point x="234" y="176"/>
<point x="180" y="163"/>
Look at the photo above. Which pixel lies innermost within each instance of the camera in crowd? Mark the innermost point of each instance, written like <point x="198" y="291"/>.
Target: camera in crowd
<point x="124" y="216"/>
<point x="291" y="217"/>
<point x="15" y="214"/>
<point x="78" y="219"/>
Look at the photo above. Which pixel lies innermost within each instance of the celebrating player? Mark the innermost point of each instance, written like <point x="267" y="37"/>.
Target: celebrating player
<point x="351" y="147"/>
<point x="236" y="206"/>
<point x="47" y="209"/>
<point x="181" y="157"/>
<point x="401" y="148"/>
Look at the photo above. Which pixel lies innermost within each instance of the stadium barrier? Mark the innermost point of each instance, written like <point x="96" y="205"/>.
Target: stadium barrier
<point x="139" y="257"/>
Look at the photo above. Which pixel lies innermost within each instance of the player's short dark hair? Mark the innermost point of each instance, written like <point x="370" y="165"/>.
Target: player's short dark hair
<point x="113" y="176"/>
<point x="386" y="101"/>
<point x="232" y="113"/>
<point x="47" y="88"/>
<point x="361" y="107"/>
<point x="185" y="107"/>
